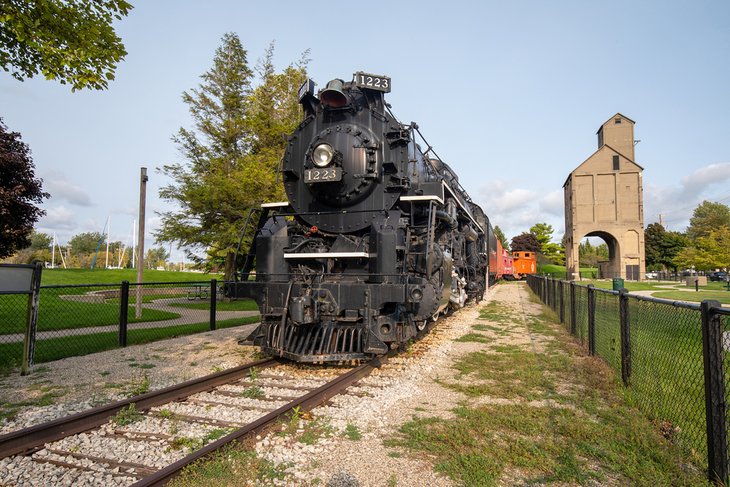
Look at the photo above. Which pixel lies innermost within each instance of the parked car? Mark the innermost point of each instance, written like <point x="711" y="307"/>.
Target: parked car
<point x="652" y="275"/>
<point x="718" y="276"/>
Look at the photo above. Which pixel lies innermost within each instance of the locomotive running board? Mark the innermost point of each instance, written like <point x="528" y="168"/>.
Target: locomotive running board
<point x="331" y="255"/>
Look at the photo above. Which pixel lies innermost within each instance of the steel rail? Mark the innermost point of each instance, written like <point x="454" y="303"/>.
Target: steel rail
<point x="34" y="437"/>
<point x="306" y="402"/>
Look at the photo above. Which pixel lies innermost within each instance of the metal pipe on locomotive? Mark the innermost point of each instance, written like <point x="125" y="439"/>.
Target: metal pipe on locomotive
<point x="377" y="237"/>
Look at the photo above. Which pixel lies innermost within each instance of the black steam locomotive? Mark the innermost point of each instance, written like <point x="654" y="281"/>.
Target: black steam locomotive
<point x="377" y="237"/>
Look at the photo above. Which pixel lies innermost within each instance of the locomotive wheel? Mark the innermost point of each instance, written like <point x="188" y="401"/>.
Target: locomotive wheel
<point x="421" y="325"/>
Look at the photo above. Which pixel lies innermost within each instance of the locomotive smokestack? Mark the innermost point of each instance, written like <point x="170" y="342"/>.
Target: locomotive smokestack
<point x="332" y="95"/>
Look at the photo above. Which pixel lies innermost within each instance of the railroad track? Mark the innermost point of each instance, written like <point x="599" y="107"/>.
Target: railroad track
<point x="83" y="449"/>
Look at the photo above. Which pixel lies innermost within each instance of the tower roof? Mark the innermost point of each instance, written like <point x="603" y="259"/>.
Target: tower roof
<point x="618" y="114"/>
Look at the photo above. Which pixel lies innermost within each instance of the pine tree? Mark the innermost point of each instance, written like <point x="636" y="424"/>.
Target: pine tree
<point x="231" y="154"/>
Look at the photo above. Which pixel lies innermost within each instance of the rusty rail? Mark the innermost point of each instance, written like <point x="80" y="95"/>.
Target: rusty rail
<point x="29" y="439"/>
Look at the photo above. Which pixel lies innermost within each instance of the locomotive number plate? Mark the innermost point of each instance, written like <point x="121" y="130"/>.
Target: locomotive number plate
<point x="324" y="175"/>
<point x="372" y="81"/>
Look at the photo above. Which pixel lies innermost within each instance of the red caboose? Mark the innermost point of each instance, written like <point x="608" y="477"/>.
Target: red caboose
<point x="524" y="263"/>
<point x="505" y="268"/>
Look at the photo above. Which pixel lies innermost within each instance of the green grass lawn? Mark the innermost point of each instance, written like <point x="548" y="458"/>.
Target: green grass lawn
<point x="56" y="313"/>
<point x="558" y="271"/>
<point x="722" y="296"/>
<point x="70" y="346"/>
<point x="713" y="290"/>
<point x="115" y="276"/>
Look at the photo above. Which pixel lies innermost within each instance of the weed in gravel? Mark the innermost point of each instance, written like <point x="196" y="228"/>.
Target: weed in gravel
<point x="142" y="388"/>
<point x="314" y="430"/>
<point x="253" y="392"/>
<point x="259" y="355"/>
<point x="231" y="466"/>
<point x="197" y="443"/>
<point x="106" y="373"/>
<point x="147" y="366"/>
<point x="9" y="410"/>
<point x="496" y="311"/>
<point x="112" y="385"/>
<point x="167" y="414"/>
<point x="474" y="337"/>
<point x="394" y="454"/>
<point x="253" y="374"/>
<point x="127" y="416"/>
<point x="486" y="328"/>
<point x="192" y="364"/>
<point x="216" y="368"/>
<point x="40" y="370"/>
<point x="352" y="432"/>
<point x="392" y="480"/>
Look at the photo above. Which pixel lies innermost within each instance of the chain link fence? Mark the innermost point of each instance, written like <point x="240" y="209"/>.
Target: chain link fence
<point x="673" y="359"/>
<point x="81" y="319"/>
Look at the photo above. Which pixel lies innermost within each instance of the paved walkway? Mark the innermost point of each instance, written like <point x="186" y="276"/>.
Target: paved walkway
<point x="187" y="316"/>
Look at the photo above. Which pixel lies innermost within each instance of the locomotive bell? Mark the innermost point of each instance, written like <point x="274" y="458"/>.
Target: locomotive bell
<point x="332" y="95"/>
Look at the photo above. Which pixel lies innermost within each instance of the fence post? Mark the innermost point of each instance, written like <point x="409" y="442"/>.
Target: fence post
<point x="213" y="301"/>
<point x="32" y="320"/>
<point x="591" y="319"/>
<point x="623" y="307"/>
<point x="548" y="289"/>
<point x="573" y="311"/>
<point x="561" y="291"/>
<point x="123" y="313"/>
<point x="715" y="407"/>
<point x="551" y="292"/>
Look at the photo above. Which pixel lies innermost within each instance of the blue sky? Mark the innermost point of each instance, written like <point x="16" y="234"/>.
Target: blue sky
<point x="510" y="94"/>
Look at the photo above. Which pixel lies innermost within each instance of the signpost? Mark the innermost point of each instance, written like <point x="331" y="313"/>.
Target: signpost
<point x="24" y="279"/>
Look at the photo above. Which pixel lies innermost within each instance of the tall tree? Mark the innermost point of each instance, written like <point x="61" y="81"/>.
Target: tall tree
<point x="661" y="246"/>
<point x="155" y="257"/>
<point x="554" y="252"/>
<point x="72" y="41"/>
<point x="706" y="217"/>
<point x="40" y="241"/>
<point x="525" y="241"/>
<point x="86" y="243"/>
<point x="20" y="192"/>
<point x="711" y="251"/>
<point x="500" y="236"/>
<point x="232" y="153"/>
<point x="543" y="232"/>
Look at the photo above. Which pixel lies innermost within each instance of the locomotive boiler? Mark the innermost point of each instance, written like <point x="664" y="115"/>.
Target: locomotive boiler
<point x="377" y="237"/>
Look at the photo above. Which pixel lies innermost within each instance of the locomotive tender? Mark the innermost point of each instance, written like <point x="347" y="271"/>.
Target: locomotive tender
<point x="376" y="240"/>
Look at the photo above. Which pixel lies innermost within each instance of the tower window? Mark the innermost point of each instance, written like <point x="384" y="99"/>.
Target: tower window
<point x="615" y="163"/>
<point x="617" y="121"/>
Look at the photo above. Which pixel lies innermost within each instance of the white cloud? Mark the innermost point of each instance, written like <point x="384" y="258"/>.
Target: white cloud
<point x="676" y="203"/>
<point x="60" y="189"/>
<point x="553" y="203"/>
<point x="698" y="181"/>
<point x="58" y="218"/>
<point x="516" y="209"/>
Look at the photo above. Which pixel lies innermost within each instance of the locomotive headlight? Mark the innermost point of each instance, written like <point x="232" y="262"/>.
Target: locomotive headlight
<point x="322" y="155"/>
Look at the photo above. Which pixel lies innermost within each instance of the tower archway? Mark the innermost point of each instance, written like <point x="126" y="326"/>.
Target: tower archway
<point x="604" y="198"/>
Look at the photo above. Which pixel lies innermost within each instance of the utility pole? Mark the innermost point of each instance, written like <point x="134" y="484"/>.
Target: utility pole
<point x="140" y="240"/>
